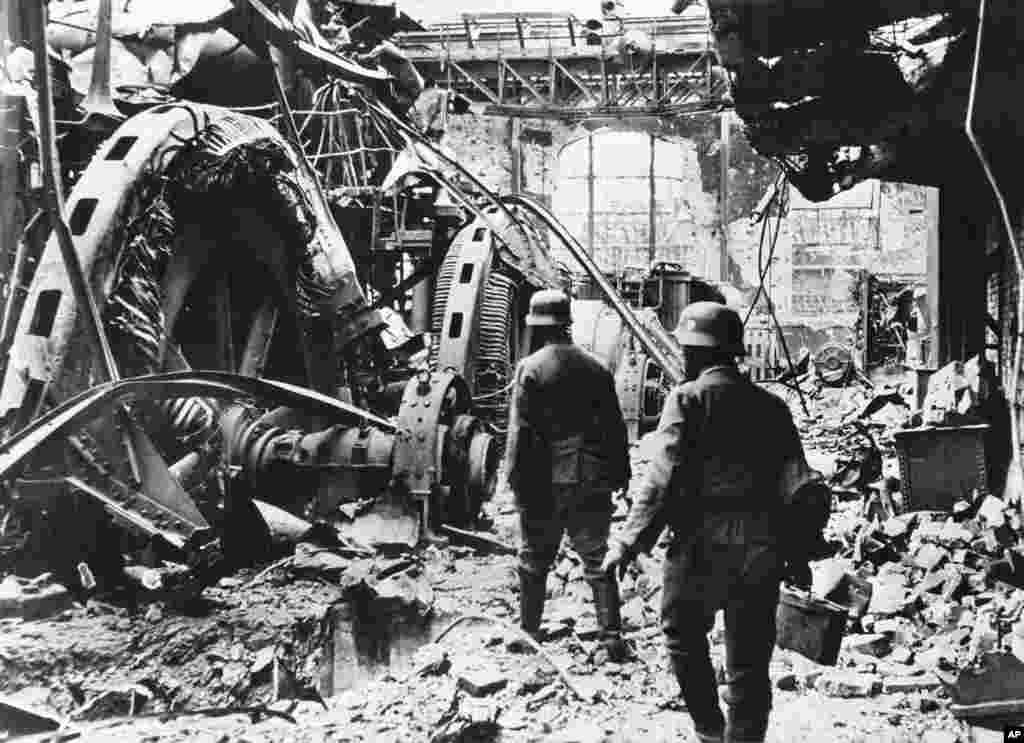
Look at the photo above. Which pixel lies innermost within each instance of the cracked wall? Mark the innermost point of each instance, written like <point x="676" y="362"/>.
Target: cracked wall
<point x="820" y="247"/>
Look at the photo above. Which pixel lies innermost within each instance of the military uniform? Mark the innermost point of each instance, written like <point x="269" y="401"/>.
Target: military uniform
<point x="567" y="452"/>
<point x="725" y="460"/>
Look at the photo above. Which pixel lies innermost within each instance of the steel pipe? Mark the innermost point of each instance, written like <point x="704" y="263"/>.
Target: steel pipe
<point x="54" y="194"/>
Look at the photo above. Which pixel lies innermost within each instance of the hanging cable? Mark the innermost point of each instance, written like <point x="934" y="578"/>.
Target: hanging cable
<point x="764" y="266"/>
<point x="1013" y="393"/>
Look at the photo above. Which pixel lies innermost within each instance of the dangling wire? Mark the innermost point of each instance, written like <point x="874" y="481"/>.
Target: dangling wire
<point x="762" y="265"/>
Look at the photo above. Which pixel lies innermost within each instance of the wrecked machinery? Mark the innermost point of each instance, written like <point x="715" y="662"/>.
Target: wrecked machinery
<point x="215" y="315"/>
<point x="658" y="295"/>
<point x="209" y="242"/>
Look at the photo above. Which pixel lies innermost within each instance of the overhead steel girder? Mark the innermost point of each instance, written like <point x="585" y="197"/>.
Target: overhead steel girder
<point x="91" y="404"/>
<point x="550" y="73"/>
<point x="566" y="89"/>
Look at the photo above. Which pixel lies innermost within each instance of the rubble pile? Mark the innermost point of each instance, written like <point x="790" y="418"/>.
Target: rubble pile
<point x="933" y="608"/>
<point x="247" y="643"/>
<point x="476" y="681"/>
<point x="395" y="644"/>
<point x="933" y="595"/>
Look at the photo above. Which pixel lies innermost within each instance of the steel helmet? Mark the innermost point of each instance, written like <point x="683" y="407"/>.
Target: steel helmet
<point x="711" y="325"/>
<point x="549" y="307"/>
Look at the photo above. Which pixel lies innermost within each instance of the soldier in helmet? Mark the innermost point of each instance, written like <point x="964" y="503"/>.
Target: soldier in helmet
<point x="726" y="460"/>
<point x="567" y="452"/>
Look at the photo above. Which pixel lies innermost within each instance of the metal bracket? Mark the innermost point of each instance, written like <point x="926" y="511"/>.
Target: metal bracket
<point x="431" y="399"/>
<point x="629" y="387"/>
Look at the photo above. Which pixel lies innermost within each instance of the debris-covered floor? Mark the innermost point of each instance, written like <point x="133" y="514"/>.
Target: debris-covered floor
<point x="280" y="641"/>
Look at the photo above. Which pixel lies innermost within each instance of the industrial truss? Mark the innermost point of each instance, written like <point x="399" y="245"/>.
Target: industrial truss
<point x="552" y="65"/>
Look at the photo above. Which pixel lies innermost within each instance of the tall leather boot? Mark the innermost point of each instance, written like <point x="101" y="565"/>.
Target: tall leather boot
<point x="746" y="726"/>
<point x="699" y="689"/>
<point x="609" y="618"/>
<point x="532" y="590"/>
<point x="749" y="733"/>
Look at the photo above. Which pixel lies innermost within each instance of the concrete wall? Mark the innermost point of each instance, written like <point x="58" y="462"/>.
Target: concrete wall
<point x="881" y="227"/>
<point x="819" y="248"/>
<point x="481" y="144"/>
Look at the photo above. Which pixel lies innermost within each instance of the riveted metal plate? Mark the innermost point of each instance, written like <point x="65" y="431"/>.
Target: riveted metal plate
<point x="458" y="342"/>
<point x="416" y="459"/>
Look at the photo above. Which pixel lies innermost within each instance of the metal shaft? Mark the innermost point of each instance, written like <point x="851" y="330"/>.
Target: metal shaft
<point x="54" y="198"/>
<point x="99" y="100"/>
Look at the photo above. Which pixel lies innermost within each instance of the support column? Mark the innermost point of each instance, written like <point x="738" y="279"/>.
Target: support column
<point x="865" y="318"/>
<point x="931" y="357"/>
<point x="422" y="305"/>
<point x="12" y="218"/>
<point x="961" y="298"/>
<point x="590" y="194"/>
<point x="515" y="128"/>
<point x="722" y="269"/>
<point x="652" y="207"/>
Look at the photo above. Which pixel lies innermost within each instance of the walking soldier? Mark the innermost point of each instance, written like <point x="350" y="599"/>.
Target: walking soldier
<point x="567" y="453"/>
<point x="726" y="464"/>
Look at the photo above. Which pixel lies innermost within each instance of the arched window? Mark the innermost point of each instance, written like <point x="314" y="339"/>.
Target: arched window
<point x="613" y="186"/>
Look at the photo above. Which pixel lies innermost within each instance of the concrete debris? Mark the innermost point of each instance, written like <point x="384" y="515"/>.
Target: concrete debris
<point x="920" y="598"/>
<point x="121" y="702"/>
<point x="537" y="680"/>
<point x="17" y="719"/>
<point x="910" y="684"/>
<point x="579" y="733"/>
<point x="431" y="660"/>
<point x="929" y="556"/>
<point x="38" y="598"/>
<point x="848" y="684"/>
<point x="481" y="679"/>
<point x="877" y="645"/>
<point x="635" y="614"/>
<point x="484" y="543"/>
<point x="929" y="591"/>
<point x="902" y="655"/>
<point x="888" y="596"/>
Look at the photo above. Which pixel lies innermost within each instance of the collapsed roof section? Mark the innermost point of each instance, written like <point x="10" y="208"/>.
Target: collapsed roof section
<point x="840" y="91"/>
